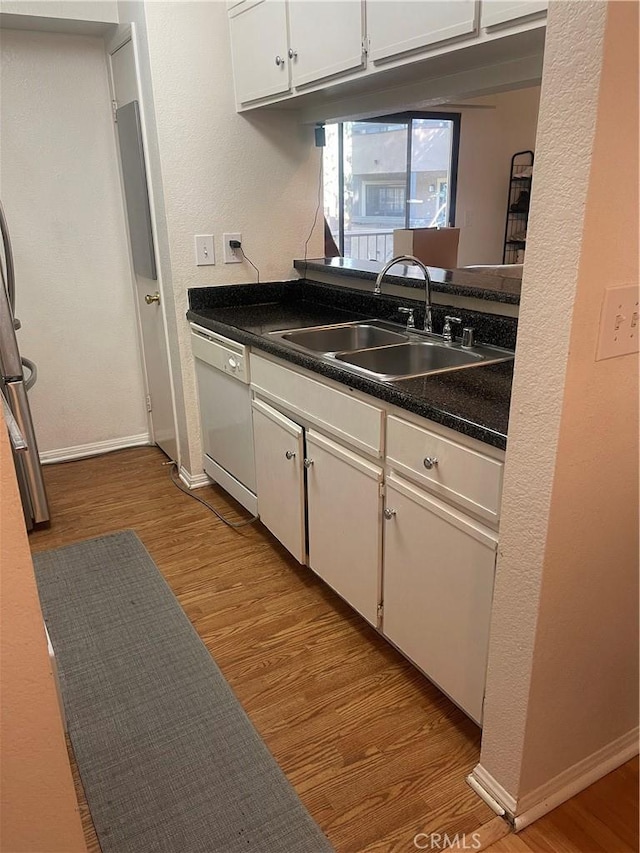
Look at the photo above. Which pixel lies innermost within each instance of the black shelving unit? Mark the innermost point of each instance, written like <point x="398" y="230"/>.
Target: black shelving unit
<point x="515" y="229"/>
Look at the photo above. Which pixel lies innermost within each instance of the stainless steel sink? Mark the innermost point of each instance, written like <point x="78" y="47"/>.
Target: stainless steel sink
<point x="420" y="359"/>
<point x="348" y="337"/>
<point x="377" y="349"/>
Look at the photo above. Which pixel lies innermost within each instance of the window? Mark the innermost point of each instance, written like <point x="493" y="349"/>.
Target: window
<point x="383" y="174"/>
<point x="384" y="200"/>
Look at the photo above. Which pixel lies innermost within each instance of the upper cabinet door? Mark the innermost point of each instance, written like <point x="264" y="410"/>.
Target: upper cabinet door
<point x="498" y="12"/>
<point x="325" y="38"/>
<point x="397" y="26"/>
<point x="259" y="50"/>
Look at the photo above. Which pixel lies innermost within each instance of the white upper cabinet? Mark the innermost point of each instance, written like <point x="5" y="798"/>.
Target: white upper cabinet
<point x="501" y="12"/>
<point x="276" y="44"/>
<point x="397" y="26"/>
<point x="325" y="39"/>
<point x="259" y="47"/>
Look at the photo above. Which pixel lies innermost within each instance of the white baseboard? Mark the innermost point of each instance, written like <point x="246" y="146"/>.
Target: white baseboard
<point x="562" y="787"/>
<point x="491" y="791"/>
<point x="193" y="481"/>
<point x="81" y="451"/>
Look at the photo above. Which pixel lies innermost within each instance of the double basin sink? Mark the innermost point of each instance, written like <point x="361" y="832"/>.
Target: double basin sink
<point x="389" y="352"/>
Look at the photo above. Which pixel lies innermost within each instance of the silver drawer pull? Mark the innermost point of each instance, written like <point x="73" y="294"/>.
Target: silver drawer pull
<point x="308" y="463"/>
<point x="430" y="462"/>
<point x="290" y="454"/>
<point x="389" y="514"/>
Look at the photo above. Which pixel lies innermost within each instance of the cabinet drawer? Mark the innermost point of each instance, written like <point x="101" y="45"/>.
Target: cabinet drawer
<point x="352" y="420"/>
<point x="460" y="474"/>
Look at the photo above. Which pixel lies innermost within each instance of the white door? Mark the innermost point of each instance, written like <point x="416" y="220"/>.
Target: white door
<point x="259" y="50"/>
<point x="150" y="315"/>
<point x="325" y="37"/>
<point x="397" y="26"/>
<point x="438" y="590"/>
<point x="498" y="12"/>
<point x="344" y="518"/>
<point x="279" y="447"/>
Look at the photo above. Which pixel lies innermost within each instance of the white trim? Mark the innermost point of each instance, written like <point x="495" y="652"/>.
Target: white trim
<point x="193" y="481"/>
<point x="560" y="788"/>
<point x="494" y="805"/>
<point x="493" y="790"/>
<point x="575" y="779"/>
<point x="80" y="451"/>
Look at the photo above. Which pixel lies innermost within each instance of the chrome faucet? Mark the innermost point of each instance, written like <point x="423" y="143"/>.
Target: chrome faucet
<point x="409" y="259"/>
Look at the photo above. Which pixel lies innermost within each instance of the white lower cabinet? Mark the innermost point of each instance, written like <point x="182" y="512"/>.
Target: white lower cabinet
<point x="279" y="451"/>
<point x="417" y="564"/>
<point x="343" y="503"/>
<point x="344" y="521"/>
<point x="437" y="590"/>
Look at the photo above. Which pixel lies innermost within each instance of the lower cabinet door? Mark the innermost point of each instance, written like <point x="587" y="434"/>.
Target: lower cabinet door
<point x="344" y="522"/>
<point x="438" y="589"/>
<point x="279" y="448"/>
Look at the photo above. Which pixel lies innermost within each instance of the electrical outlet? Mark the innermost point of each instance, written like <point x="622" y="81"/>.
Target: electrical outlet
<point x="619" y="325"/>
<point x="205" y="253"/>
<point x="232" y="256"/>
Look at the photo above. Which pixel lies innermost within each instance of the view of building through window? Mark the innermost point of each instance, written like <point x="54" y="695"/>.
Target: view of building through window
<point x="383" y="175"/>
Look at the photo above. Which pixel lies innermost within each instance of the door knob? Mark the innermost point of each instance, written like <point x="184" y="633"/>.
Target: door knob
<point x="389" y="514"/>
<point x="308" y="463"/>
<point x="150" y="299"/>
<point x="290" y="454"/>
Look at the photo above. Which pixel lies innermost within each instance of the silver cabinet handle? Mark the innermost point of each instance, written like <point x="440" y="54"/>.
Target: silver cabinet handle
<point x="290" y="454"/>
<point x="149" y="299"/>
<point x="293" y="54"/>
<point x="430" y="462"/>
<point x="308" y="463"/>
<point x="389" y="514"/>
<point x="279" y="61"/>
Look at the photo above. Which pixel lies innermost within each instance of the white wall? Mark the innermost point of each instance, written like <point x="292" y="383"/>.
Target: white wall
<point x="488" y="140"/>
<point x="75" y="10"/>
<point x="563" y="668"/>
<point x="214" y="170"/>
<point x="60" y="187"/>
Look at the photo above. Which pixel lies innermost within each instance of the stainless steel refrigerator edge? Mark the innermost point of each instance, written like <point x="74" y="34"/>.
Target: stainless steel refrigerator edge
<point x="14" y="391"/>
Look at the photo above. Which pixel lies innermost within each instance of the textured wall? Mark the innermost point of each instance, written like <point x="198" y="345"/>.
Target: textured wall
<point x="38" y="809"/>
<point x="561" y="680"/>
<point x="488" y="140"/>
<point x="61" y="192"/>
<point x="584" y="688"/>
<point x="219" y="172"/>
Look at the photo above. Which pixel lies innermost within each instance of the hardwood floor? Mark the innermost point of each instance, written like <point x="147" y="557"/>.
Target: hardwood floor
<point x="375" y="752"/>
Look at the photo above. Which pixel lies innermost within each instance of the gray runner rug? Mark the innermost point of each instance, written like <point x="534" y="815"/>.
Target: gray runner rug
<point x="168" y="758"/>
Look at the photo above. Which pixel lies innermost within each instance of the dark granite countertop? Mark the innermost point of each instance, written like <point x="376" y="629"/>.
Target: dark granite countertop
<point x="473" y="401"/>
<point x="458" y="282"/>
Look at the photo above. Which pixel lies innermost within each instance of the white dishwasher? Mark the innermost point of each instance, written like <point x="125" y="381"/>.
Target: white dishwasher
<point x="222" y="373"/>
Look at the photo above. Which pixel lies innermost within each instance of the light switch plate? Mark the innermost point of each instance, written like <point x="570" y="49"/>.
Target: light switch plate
<point x="205" y="252"/>
<point x="619" y="325"/>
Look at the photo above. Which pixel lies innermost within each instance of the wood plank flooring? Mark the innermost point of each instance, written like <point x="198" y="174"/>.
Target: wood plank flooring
<point x="375" y="752"/>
